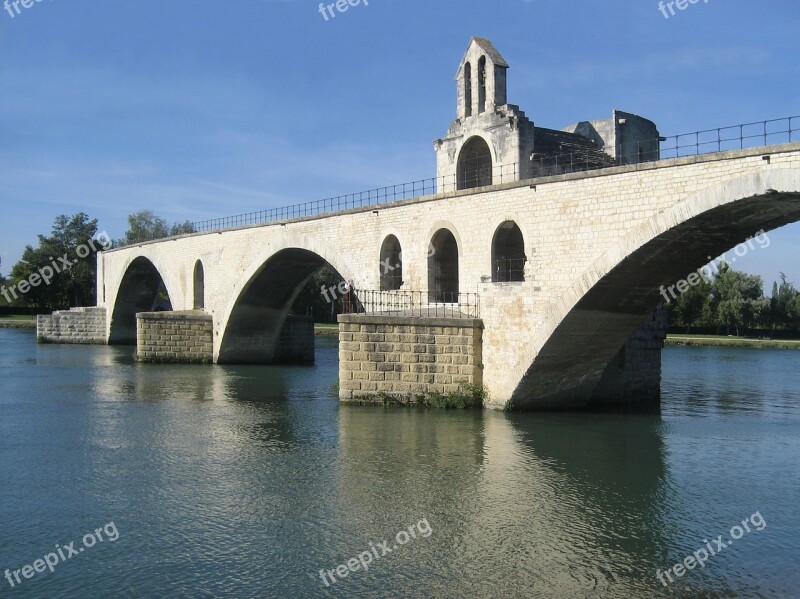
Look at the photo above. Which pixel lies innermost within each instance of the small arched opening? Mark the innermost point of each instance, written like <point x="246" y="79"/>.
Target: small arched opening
<point x="443" y="268"/>
<point x="468" y="89"/>
<point x="474" y="164"/>
<point x="482" y="85"/>
<point x="391" y="264"/>
<point x="508" y="254"/>
<point x="199" y="286"/>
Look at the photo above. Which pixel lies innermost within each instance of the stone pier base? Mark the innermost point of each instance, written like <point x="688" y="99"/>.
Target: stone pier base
<point x="175" y="337"/>
<point x="407" y="358"/>
<point x="634" y="377"/>
<point x="85" y="326"/>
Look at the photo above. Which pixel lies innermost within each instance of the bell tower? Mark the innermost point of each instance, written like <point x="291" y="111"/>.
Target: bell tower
<point x="490" y="140"/>
<point x="481" y="79"/>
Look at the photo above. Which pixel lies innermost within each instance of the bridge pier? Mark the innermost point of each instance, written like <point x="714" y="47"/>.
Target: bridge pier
<point x="633" y="378"/>
<point x="86" y="326"/>
<point x="406" y="359"/>
<point x="184" y="337"/>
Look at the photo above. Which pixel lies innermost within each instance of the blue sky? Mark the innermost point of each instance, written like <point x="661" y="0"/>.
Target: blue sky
<point x="197" y="109"/>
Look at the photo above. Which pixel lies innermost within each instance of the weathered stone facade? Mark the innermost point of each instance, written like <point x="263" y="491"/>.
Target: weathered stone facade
<point x="592" y="248"/>
<point x="174" y="337"/>
<point x="635" y="227"/>
<point x="77" y="325"/>
<point x="512" y="147"/>
<point x="407" y="357"/>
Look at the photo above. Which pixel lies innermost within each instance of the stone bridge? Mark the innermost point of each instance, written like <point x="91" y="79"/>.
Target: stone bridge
<point x="597" y="247"/>
<point x="566" y="267"/>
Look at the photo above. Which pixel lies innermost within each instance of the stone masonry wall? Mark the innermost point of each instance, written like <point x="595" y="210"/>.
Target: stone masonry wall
<point x="635" y="376"/>
<point x="174" y="337"/>
<point x="78" y="325"/>
<point x="576" y="229"/>
<point x="407" y="356"/>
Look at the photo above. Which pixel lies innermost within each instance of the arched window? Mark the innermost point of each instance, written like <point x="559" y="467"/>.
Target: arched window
<point x="474" y="164"/>
<point x="468" y="89"/>
<point x="482" y="84"/>
<point x="391" y="266"/>
<point x="443" y="268"/>
<point x="508" y="254"/>
<point x="199" y="286"/>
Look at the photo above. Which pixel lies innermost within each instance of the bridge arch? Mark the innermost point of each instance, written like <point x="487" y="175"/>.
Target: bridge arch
<point x="508" y="253"/>
<point x="584" y="332"/>
<point x="390" y="266"/>
<point x="139" y="291"/>
<point x="252" y="322"/>
<point x="475" y="164"/>
<point x="199" y="286"/>
<point x="443" y="266"/>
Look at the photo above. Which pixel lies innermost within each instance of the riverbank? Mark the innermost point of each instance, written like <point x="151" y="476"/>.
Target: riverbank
<point x="17" y="321"/>
<point x="719" y="341"/>
<point x="326" y="330"/>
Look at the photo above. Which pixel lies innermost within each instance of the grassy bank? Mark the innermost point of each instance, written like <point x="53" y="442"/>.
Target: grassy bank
<point x="7" y="323"/>
<point x="17" y="321"/>
<point x="331" y="330"/>
<point x="720" y="341"/>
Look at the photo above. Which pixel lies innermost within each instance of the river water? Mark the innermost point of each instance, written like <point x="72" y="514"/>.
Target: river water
<point x="246" y="481"/>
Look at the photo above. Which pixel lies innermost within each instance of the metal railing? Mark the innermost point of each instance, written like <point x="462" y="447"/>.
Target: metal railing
<point x="708" y="141"/>
<point x="373" y="197"/>
<point x="747" y="135"/>
<point x="734" y="137"/>
<point x="428" y="304"/>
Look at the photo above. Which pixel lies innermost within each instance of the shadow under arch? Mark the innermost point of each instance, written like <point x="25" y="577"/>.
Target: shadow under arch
<point x="597" y="316"/>
<point x="260" y="311"/>
<point x="142" y="290"/>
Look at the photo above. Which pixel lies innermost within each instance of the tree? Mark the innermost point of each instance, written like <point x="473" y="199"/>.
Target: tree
<point x="184" y="228"/>
<point x="146" y="226"/>
<point x="62" y="271"/>
<point x="689" y="307"/>
<point x="739" y="296"/>
<point x="784" y="310"/>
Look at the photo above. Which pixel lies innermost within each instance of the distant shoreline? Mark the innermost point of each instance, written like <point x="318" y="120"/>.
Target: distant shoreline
<point x="332" y="330"/>
<point x="17" y="324"/>
<point x="718" y="341"/>
<point x="326" y="330"/>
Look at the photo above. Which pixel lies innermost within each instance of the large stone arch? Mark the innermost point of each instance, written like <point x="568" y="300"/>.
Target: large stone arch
<point x="564" y="360"/>
<point x="137" y="292"/>
<point x="264" y="294"/>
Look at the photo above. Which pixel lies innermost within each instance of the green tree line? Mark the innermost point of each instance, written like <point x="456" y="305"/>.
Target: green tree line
<point x="733" y="302"/>
<point x="54" y="275"/>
